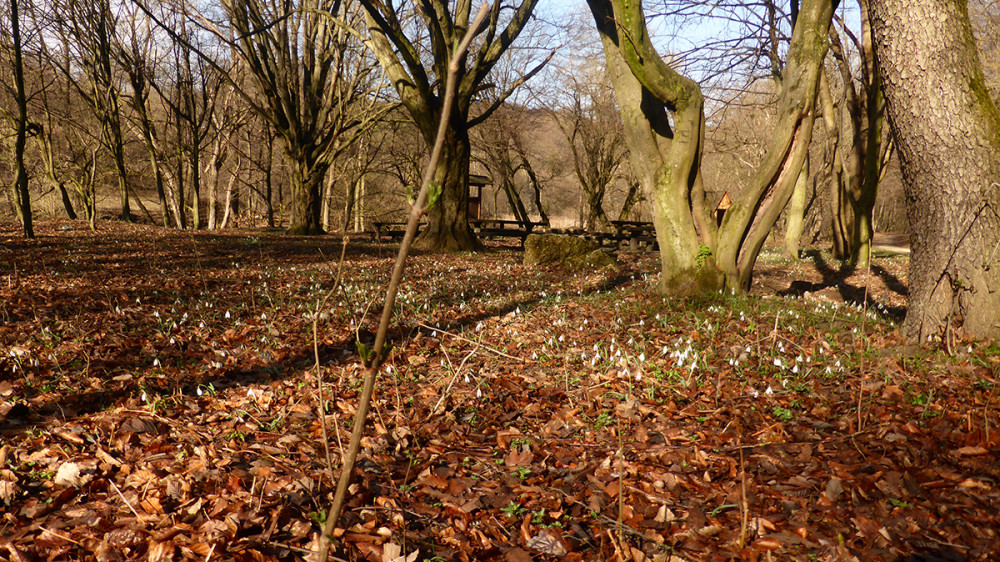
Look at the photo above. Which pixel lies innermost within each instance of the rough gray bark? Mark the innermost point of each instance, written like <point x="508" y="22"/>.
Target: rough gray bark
<point x="947" y="131"/>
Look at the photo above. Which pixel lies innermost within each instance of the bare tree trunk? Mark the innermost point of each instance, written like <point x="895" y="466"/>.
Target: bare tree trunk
<point x="948" y="132"/>
<point x="447" y="228"/>
<point x="22" y="198"/>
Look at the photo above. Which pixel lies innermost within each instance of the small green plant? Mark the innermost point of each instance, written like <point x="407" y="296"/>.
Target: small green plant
<point x="603" y="420"/>
<point x="783" y="414"/>
<point x="522" y="473"/>
<point x="318" y="517"/>
<point x="704" y="252"/>
<point x="513" y="509"/>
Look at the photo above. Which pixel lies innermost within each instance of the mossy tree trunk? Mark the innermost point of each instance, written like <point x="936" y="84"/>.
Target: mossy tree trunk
<point x="665" y="158"/>
<point x="796" y="213"/>
<point x="666" y="147"/>
<point x="948" y="132"/>
<point x="747" y="223"/>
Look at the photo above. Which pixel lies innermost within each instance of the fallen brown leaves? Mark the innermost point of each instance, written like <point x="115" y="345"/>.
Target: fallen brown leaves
<point x="158" y="402"/>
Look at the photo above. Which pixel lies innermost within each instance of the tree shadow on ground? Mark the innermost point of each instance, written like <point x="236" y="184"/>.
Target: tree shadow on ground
<point x="128" y="373"/>
<point x="837" y="278"/>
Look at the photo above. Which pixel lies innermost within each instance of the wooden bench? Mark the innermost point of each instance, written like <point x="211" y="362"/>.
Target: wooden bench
<point x="388" y="231"/>
<point x="499" y="228"/>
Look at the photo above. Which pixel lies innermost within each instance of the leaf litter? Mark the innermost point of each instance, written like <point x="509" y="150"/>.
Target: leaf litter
<point x="158" y="401"/>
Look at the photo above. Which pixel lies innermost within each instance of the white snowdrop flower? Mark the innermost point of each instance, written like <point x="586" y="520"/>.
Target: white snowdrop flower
<point x="156" y="362"/>
<point x="388" y="368"/>
<point x="638" y="376"/>
<point x="730" y="362"/>
<point x="583" y="357"/>
<point x="442" y="362"/>
<point x="828" y="370"/>
<point x="199" y="391"/>
<point x="562" y="338"/>
<point x="479" y="393"/>
<point x="747" y="349"/>
<point x="777" y="362"/>
<point x="754" y="393"/>
<point x="784" y="383"/>
<point x="534" y="355"/>
<point x="227" y="314"/>
<point x="263" y="316"/>
<point x="595" y="347"/>
<point x="584" y="321"/>
<point x="837" y="364"/>
<point x="593" y="361"/>
<point x="642" y="322"/>
<point x="612" y="341"/>
<point x="618" y="353"/>
<point x="970" y="349"/>
<point x="798" y="359"/>
<point x="737" y="363"/>
<point x="809" y="359"/>
<point x="642" y="357"/>
<point x="144" y="398"/>
<point x="434" y="334"/>
<point x="201" y="325"/>
<point x="625" y="372"/>
<point x="657" y="316"/>
<point x="795" y="369"/>
<point x="466" y="379"/>
<point x="631" y="341"/>
<point x="693" y="366"/>
<point x="769" y="391"/>
<point x="479" y="326"/>
<point x="517" y="311"/>
<point x="156" y="314"/>
<point x="172" y="341"/>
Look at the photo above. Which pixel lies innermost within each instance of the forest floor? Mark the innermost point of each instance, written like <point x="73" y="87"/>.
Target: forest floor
<point x="159" y="401"/>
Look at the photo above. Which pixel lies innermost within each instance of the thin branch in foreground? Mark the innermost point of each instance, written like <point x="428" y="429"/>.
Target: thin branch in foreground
<point x="361" y="417"/>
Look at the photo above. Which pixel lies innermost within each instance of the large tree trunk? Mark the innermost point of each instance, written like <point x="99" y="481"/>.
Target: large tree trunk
<point x="447" y="228"/>
<point x="748" y="222"/>
<point x="948" y="134"/>
<point x="665" y="159"/>
<point x="307" y="186"/>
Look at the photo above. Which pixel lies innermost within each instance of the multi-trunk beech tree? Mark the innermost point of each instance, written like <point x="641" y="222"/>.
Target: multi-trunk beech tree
<point x="316" y="90"/>
<point x="414" y="50"/>
<point x="948" y="133"/>
<point x="663" y="114"/>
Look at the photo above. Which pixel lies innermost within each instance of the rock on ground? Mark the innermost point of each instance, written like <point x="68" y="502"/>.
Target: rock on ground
<point x="570" y="252"/>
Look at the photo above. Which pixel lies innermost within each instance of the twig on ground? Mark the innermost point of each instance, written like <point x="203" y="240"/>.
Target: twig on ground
<point x="467" y="340"/>
<point x="320" y="305"/>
